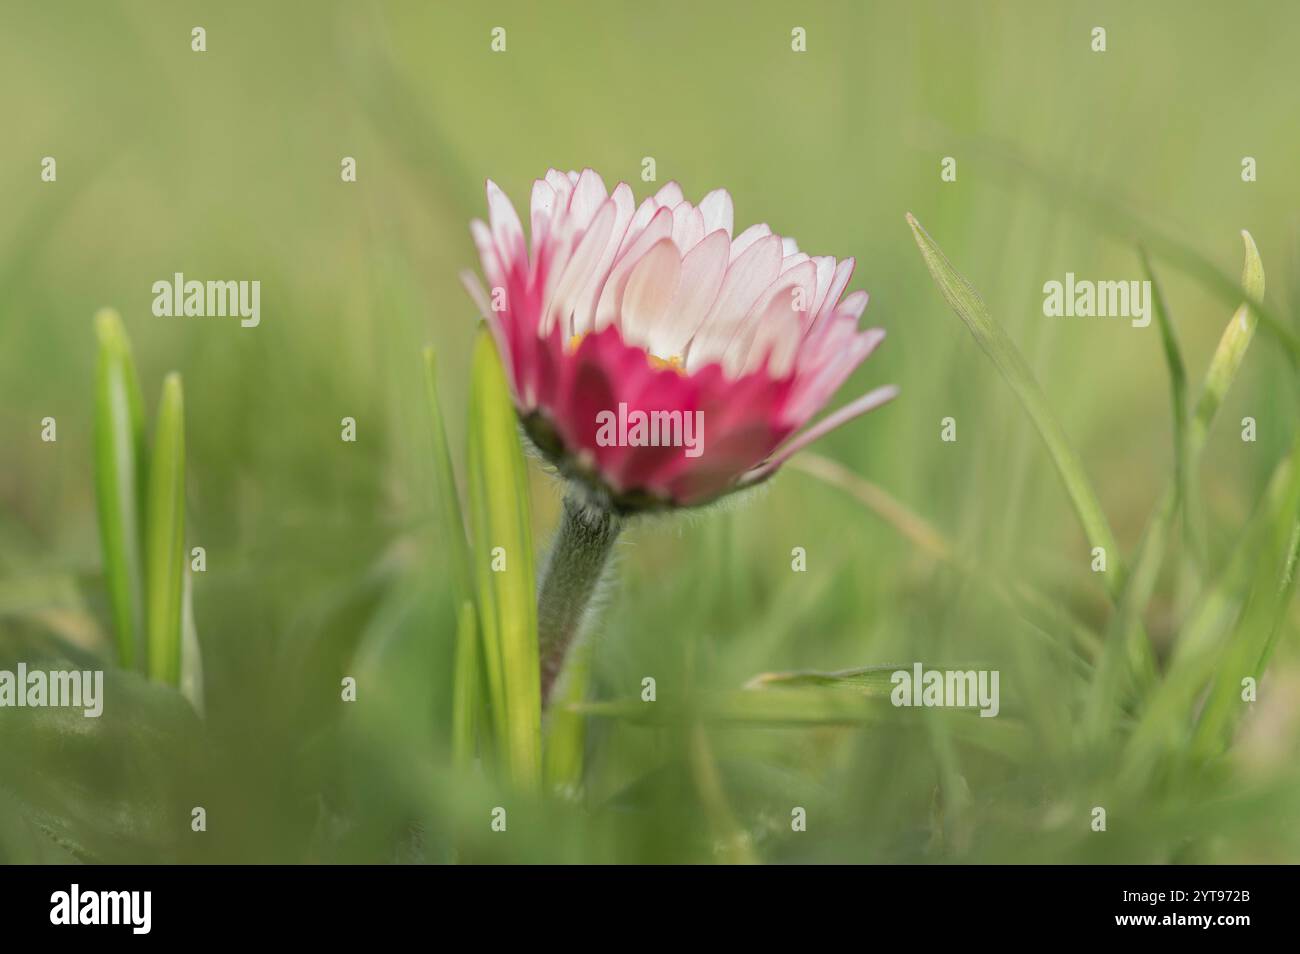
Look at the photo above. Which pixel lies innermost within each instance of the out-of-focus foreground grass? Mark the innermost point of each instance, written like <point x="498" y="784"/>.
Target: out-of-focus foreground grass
<point x="325" y="559"/>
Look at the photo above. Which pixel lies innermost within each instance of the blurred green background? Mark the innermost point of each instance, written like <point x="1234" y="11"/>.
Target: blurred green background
<point x="325" y="558"/>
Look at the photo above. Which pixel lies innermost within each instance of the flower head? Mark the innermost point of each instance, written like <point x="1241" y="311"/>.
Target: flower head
<point x="653" y="354"/>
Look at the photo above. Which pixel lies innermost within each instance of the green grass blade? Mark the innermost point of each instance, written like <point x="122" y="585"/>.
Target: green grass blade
<point x="449" y="510"/>
<point x="871" y="681"/>
<point x="1255" y="636"/>
<point x="1232" y="347"/>
<point x="566" y="729"/>
<point x="965" y="301"/>
<point x="1177" y="377"/>
<point x="733" y="845"/>
<point x="1167" y="717"/>
<point x="1111" y="211"/>
<point x="810" y="707"/>
<point x="465" y="698"/>
<point x="1224" y="366"/>
<point x="1126" y="651"/>
<point x="787" y="707"/>
<point x="1036" y="609"/>
<point x="467" y="687"/>
<point x="1286" y="590"/>
<point x="1256" y="629"/>
<point x="120" y="474"/>
<point x="165" y="535"/>
<point x="489" y="630"/>
<point x="1126" y="625"/>
<point x="916" y="529"/>
<point x="1189" y="437"/>
<point x="498" y="486"/>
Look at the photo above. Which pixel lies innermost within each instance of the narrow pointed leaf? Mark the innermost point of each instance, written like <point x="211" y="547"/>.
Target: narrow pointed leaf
<point x="1190" y="437"/>
<point x="872" y="681"/>
<point x="810" y="707"/>
<point x="467" y="673"/>
<point x="465" y="697"/>
<point x="120" y="473"/>
<point x="488" y="628"/>
<point x="1235" y="340"/>
<point x="1177" y="378"/>
<point x="498" y="490"/>
<point x="449" y="509"/>
<point x="566" y="728"/>
<point x="1047" y="618"/>
<point x="1255" y="636"/>
<point x="1111" y="211"/>
<point x="1282" y="605"/>
<point x="965" y="301"/>
<point x="1224" y="366"/>
<point x="1168" y="715"/>
<point x="1269" y="599"/>
<point x="165" y="535"/>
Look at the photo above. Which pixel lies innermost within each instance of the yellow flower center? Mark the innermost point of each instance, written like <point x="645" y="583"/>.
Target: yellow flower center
<point x="656" y="362"/>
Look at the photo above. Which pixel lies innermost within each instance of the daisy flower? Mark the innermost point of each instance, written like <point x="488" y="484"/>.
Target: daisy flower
<point x="658" y="359"/>
<point x="660" y="313"/>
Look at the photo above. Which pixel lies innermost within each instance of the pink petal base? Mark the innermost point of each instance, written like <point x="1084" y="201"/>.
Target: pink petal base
<point x="743" y="420"/>
<point x="572" y="387"/>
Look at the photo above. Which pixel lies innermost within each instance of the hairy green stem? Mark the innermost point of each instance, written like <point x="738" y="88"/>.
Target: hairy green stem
<point x="573" y="570"/>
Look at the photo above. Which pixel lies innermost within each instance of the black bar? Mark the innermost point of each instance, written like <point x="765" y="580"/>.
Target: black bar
<point x="213" y="904"/>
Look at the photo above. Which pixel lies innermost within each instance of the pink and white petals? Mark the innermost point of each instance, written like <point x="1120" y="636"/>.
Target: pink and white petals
<point x="658" y="307"/>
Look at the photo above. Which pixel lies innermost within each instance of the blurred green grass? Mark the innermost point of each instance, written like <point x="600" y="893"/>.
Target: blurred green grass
<point x="325" y="559"/>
